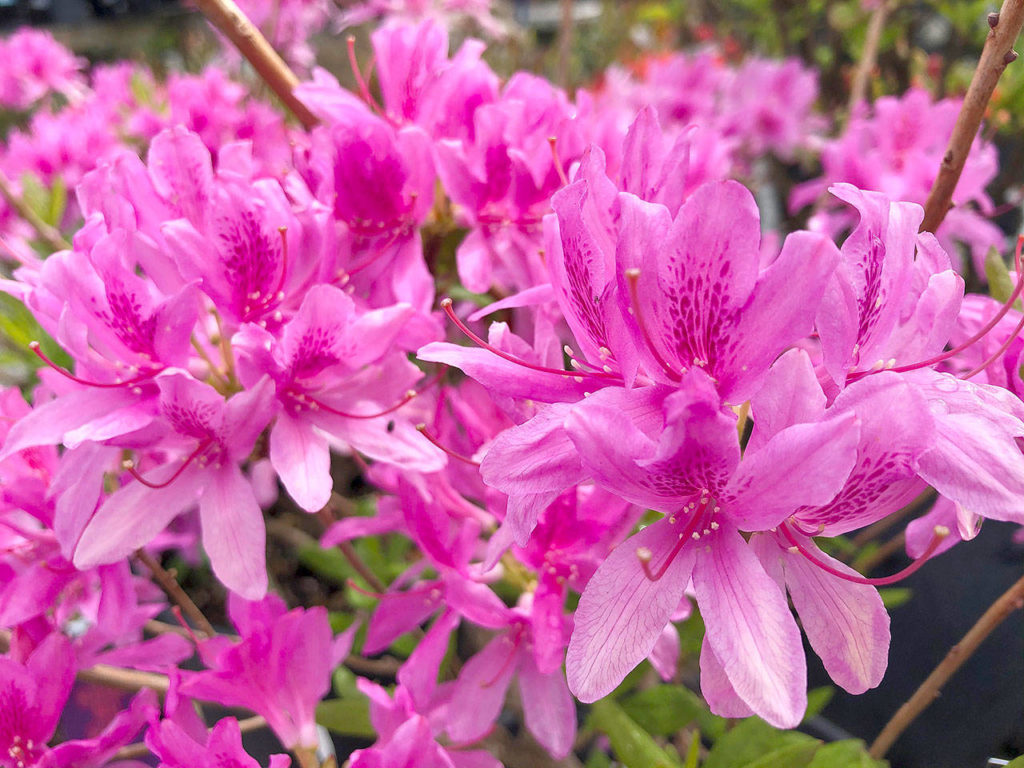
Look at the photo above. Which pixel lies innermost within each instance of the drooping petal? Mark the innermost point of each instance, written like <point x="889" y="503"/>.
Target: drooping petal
<point x="480" y="690"/>
<point x="750" y="629"/>
<point x="548" y="708"/>
<point x="234" y="535"/>
<point x="846" y="623"/>
<point x="622" y="612"/>
<point x="302" y="460"/>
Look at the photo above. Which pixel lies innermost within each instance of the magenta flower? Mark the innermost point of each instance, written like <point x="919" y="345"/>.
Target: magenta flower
<point x="683" y="459"/>
<point x="210" y="438"/>
<point x="280" y="668"/>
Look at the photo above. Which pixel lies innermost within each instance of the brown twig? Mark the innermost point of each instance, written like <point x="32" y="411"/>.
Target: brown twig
<point x="173" y="589"/>
<point x="250" y="42"/>
<point x="135" y="751"/>
<point x="995" y="56"/>
<point x="869" y="55"/>
<point x="124" y="679"/>
<point x="929" y="690"/>
<point x="48" y="234"/>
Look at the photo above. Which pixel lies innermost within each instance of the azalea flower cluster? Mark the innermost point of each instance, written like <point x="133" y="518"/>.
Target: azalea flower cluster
<point x="673" y="410"/>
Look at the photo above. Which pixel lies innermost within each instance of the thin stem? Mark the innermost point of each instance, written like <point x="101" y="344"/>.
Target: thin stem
<point x="173" y="589"/>
<point x="48" y="234"/>
<point x="306" y="757"/>
<point x="250" y="42"/>
<point x="565" y="30"/>
<point x="1007" y="603"/>
<point x="869" y="55"/>
<point x="995" y="56"/>
<point x="124" y="679"/>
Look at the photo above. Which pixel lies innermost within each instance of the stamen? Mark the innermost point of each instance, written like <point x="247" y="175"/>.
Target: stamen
<point x="364" y="89"/>
<point x="682" y="540"/>
<point x="985" y="329"/>
<point x="422" y="429"/>
<point x="34" y="346"/>
<point x="1002" y="348"/>
<point x="446" y="305"/>
<point x="940" y="533"/>
<point x="129" y="465"/>
<point x="633" y="279"/>
<point x="559" y="168"/>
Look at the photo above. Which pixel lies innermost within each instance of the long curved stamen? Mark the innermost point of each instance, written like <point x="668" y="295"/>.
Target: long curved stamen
<point x="985" y="329"/>
<point x="364" y="88"/>
<point x="559" y="168"/>
<point x="1002" y="348"/>
<point x="940" y="532"/>
<point x="422" y="429"/>
<point x="409" y="395"/>
<point x="633" y="280"/>
<point x="129" y="465"/>
<point x="34" y="346"/>
<point x="446" y="305"/>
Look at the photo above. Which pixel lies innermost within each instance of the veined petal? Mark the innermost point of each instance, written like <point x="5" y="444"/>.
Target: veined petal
<point x="302" y="460"/>
<point x="750" y="629"/>
<point x="233" y="533"/>
<point x="622" y="612"/>
<point x="846" y="623"/>
<point x="132" y="516"/>
<point x="548" y="708"/>
<point x="805" y="464"/>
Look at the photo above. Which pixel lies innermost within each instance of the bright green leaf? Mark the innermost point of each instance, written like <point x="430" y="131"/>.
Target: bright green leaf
<point x="633" y="746"/>
<point x="751" y="741"/>
<point x="792" y="756"/>
<point x="1000" y="284"/>
<point x="666" y="709"/>
<point x="850" y="753"/>
<point x="817" y="700"/>
<point x="894" y="597"/>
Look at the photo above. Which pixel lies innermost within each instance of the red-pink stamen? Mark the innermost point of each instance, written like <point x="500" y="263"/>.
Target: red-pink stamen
<point x="364" y="88"/>
<point x="422" y="429"/>
<point x="130" y="467"/>
<point x="34" y="346"/>
<point x="446" y="305"/>
<point x="985" y="329"/>
<point x="684" y="537"/>
<point x="632" y="280"/>
<point x="998" y="353"/>
<point x="940" y="533"/>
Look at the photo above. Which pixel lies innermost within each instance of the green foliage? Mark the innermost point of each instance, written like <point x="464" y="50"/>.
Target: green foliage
<point x="850" y="753"/>
<point x="633" y="745"/>
<point x="753" y="741"/>
<point x="666" y="709"/>
<point x="347" y="717"/>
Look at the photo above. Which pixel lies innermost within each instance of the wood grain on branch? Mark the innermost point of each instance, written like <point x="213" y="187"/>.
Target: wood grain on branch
<point x="226" y="16"/>
<point x="1004" y="27"/>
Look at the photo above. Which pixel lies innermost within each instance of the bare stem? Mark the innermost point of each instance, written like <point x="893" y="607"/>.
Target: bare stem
<point x="173" y="589"/>
<point x="251" y="43"/>
<point x="995" y="56"/>
<point x="48" y="234"/>
<point x="565" y="45"/>
<point x="869" y="55"/>
<point x="929" y="690"/>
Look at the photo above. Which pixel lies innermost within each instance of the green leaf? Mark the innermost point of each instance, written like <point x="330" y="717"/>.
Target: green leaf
<point x="693" y="753"/>
<point x="348" y="717"/>
<point x="817" y="700"/>
<point x="633" y="746"/>
<point x="1000" y="284"/>
<point x="792" y="756"/>
<point x="666" y="709"/>
<point x="850" y="753"/>
<point x="894" y="597"/>
<point x="1016" y="763"/>
<point x="58" y="202"/>
<point x="329" y="563"/>
<point x="598" y="759"/>
<point x="752" y="740"/>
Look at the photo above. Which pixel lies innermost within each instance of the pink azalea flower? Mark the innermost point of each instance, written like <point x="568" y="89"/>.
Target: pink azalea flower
<point x="280" y="668"/>
<point x="211" y="437"/>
